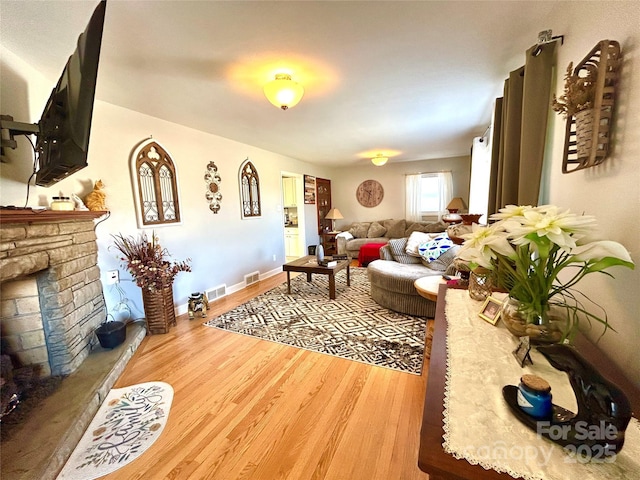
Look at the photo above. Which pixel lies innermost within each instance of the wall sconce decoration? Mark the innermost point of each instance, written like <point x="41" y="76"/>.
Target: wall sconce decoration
<point x="587" y="144"/>
<point x="213" y="195"/>
<point x="283" y="92"/>
<point x="379" y="160"/>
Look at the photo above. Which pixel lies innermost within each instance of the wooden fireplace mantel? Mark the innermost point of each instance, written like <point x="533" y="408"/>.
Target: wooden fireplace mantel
<point x="20" y="215"/>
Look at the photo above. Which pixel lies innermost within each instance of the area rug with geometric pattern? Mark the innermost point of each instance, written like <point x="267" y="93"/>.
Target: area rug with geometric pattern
<point x="353" y="326"/>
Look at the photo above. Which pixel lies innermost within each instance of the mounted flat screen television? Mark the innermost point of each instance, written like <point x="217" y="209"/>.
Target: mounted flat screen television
<point x="64" y="128"/>
<point x="63" y="131"/>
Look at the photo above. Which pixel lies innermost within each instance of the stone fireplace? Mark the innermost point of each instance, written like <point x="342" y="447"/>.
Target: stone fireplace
<point x="51" y="293"/>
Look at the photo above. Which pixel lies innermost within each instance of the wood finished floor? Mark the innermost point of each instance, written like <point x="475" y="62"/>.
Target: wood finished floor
<point x="251" y="409"/>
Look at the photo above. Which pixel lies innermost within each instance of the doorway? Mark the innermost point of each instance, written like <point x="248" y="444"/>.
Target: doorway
<point x="293" y="215"/>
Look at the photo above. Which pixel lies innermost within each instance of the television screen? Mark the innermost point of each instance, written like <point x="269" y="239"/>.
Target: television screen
<point x="63" y="140"/>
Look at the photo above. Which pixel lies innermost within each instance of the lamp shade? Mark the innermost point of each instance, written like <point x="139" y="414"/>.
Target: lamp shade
<point x="283" y="92"/>
<point x="379" y="160"/>
<point x="334" y="214"/>
<point x="456" y="204"/>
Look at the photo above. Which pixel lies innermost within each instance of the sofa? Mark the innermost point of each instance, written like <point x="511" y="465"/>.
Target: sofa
<point x="380" y="231"/>
<point x="392" y="277"/>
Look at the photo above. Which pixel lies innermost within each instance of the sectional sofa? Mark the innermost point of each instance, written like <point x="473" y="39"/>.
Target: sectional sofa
<point x="381" y="231"/>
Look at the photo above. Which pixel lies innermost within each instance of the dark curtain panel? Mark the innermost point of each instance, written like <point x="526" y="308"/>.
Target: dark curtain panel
<point x="520" y="129"/>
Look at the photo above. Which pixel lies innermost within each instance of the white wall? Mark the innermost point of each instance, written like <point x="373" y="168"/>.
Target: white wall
<point x="222" y="246"/>
<point x="610" y="191"/>
<point x="392" y="178"/>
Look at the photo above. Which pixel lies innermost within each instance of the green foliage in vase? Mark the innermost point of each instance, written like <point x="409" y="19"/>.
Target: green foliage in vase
<point x="148" y="262"/>
<point x="528" y="248"/>
<point x="579" y="92"/>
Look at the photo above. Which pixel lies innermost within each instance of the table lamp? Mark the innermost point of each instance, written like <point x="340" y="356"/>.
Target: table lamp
<point x="333" y="215"/>
<point x="454" y="205"/>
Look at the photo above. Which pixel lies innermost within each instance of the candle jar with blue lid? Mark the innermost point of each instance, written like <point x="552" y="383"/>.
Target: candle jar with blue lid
<point x="534" y="396"/>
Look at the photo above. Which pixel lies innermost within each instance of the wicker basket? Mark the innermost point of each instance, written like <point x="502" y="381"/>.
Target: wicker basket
<point x="584" y="132"/>
<point x="159" y="310"/>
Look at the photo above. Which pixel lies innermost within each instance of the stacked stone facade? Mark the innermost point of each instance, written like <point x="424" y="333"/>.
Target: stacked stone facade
<point x="51" y="293"/>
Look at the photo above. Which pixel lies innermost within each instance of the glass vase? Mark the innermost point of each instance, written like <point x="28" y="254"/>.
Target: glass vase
<point x="480" y="284"/>
<point x="545" y="326"/>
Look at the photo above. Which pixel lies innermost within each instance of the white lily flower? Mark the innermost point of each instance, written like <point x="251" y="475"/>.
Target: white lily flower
<point x="560" y="227"/>
<point x="483" y="243"/>
<point x="511" y="211"/>
<point x="598" y="250"/>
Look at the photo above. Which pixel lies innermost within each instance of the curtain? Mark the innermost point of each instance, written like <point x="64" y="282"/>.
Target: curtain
<point x="446" y="192"/>
<point x="520" y="128"/>
<point x="413" y="207"/>
<point x="413" y="195"/>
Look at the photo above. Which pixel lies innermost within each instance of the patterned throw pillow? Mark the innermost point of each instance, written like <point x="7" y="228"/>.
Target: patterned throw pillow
<point x="432" y="249"/>
<point x="442" y="263"/>
<point x="398" y="247"/>
<point x="376" y="230"/>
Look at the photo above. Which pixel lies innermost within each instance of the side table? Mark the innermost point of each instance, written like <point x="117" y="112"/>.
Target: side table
<point x="328" y="240"/>
<point x="428" y="287"/>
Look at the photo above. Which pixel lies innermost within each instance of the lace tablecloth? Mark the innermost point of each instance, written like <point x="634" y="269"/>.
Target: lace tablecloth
<point x="479" y="426"/>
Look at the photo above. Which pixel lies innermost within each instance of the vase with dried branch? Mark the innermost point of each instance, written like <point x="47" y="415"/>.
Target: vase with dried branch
<point x="149" y="265"/>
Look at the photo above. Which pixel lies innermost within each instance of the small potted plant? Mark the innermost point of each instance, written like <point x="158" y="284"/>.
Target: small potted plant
<point x="577" y="101"/>
<point x="148" y="263"/>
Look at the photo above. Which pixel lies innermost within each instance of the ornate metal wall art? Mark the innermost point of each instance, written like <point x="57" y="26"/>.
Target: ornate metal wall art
<point x="213" y="195"/>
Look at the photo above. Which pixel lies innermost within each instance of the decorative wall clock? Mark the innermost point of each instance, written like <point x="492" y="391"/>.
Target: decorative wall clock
<point x="213" y="195"/>
<point x="370" y="193"/>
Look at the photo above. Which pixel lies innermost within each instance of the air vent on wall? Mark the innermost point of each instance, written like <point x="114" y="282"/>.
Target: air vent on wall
<point x="216" y="292"/>
<point x="252" y="277"/>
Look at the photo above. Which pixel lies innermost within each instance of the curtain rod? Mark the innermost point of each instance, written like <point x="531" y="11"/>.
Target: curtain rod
<point x="544" y="37"/>
<point x="422" y="173"/>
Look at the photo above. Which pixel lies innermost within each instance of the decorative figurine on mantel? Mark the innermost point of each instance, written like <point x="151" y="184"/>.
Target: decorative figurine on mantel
<point x="96" y="199"/>
<point x="78" y="202"/>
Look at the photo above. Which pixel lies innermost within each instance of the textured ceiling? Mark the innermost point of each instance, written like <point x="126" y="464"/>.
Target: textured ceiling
<point x="415" y="80"/>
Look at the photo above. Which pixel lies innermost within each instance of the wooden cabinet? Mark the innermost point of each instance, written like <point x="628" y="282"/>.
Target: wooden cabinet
<point x="329" y="243"/>
<point x="291" y="242"/>
<point x="323" y="204"/>
<point x="289" y="192"/>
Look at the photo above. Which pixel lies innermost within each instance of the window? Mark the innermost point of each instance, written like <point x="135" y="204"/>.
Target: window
<point x="427" y="195"/>
<point x="249" y="190"/>
<point x="154" y="177"/>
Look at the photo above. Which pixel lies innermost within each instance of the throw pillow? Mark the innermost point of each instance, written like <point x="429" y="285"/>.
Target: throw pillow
<point x="415" y="240"/>
<point x="359" y="229"/>
<point x="376" y="230"/>
<point x="395" y="228"/>
<point x="398" y="248"/>
<point x="432" y="249"/>
<point x="443" y="261"/>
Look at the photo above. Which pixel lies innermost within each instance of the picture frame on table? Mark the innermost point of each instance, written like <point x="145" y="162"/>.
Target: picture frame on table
<point x="491" y="310"/>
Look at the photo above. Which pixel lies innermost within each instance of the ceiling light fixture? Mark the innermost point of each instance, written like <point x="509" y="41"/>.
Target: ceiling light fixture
<point x="379" y="160"/>
<point x="283" y="92"/>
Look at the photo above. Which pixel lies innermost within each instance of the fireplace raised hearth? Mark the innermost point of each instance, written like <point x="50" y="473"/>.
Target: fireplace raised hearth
<point x="51" y="292"/>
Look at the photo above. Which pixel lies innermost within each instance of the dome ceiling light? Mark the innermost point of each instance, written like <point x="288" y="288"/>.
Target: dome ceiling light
<point x="283" y="92"/>
<point x="379" y="160"/>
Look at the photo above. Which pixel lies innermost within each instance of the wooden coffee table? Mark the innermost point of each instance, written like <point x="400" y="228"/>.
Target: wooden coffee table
<point x="309" y="265"/>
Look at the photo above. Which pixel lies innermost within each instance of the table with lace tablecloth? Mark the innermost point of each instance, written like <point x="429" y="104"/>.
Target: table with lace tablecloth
<point x="477" y="426"/>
